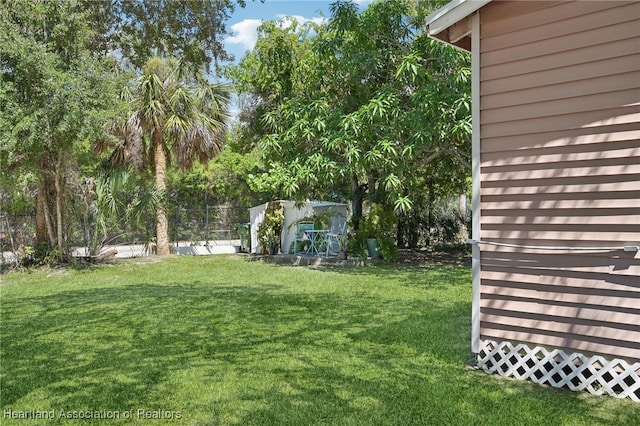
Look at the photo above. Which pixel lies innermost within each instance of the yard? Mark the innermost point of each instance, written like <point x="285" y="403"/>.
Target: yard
<point x="217" y="340"/>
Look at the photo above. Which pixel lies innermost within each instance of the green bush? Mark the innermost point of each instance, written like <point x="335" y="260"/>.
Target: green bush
<point x="357" y="244"/>
<point x="388" y="249"/>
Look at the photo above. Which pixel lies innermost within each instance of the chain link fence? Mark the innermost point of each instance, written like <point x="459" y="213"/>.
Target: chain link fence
<point x="211" y="223"/>
<point x="444" y="224"/>
<point x="17" y="230"/>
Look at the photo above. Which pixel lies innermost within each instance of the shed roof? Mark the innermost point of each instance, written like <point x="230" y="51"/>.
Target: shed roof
<point x="451" y="23"/>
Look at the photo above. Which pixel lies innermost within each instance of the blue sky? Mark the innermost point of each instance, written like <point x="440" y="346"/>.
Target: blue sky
<point x="245" y="21"/>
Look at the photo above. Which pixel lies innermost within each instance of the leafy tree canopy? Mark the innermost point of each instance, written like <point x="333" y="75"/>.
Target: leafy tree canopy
<point x="62" y="67"/>
<point x="363" y="105"/>
<point x="54" y="97"/>
<point x="139" y="29"/>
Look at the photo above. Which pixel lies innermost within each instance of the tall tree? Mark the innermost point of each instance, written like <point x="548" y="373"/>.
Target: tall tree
<point x="60" y="68"/>
<point x="54" y="93"/>
<point x="176" y="115"/>
<point x="367" y="102"/>
<point x="138" y="29"/>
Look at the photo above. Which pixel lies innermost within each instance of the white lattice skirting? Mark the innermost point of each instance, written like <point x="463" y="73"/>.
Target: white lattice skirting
<point x="574" y="371"/>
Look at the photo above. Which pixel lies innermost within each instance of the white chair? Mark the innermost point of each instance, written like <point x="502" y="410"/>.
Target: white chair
<point x="333" y="239"/>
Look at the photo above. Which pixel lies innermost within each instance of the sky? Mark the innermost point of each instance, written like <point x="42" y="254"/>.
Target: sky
<point x="245" y="21"/>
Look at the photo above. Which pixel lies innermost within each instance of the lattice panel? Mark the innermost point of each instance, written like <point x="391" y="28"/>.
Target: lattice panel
<point x="574" y="371"/>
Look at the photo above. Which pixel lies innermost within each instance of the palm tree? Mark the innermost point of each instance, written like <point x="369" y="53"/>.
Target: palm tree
<point x="176" y="115"/>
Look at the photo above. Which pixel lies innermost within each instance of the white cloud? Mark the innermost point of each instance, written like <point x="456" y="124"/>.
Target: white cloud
<point x="245" y="33"/>
<point x="362" y="2"/>
<point x="287" y="19"/>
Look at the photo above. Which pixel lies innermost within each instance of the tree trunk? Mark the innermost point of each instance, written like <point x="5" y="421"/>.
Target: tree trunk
<point x="429" y="216"/>
<point x="47" y="219"/>
<point x="371" y="186"/>
<point x="41" y="211"/>
<point x="413" y="226"/>
<point x="356" y="202"/>
<point x="44" y="228"/>
<point x="162" y="224"/>
<point x="58" y="178"/>
<point x="401" y="228"/>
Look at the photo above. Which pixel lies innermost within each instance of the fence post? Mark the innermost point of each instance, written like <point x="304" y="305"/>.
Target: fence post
<point x="206" y="224"/>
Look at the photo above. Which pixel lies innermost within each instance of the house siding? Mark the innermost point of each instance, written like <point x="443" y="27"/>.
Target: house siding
<point x="560" y="167"/>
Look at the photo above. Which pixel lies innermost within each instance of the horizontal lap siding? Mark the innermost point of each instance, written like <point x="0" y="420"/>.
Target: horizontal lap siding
<point x="560" y="166"/>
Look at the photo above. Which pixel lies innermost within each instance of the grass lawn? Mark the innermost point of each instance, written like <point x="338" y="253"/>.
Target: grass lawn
<point x="217" y="340"/>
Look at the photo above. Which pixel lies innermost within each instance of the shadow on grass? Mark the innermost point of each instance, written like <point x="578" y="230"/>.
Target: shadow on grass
<point x="263" y="354"/>
<point x="428" y="277"/>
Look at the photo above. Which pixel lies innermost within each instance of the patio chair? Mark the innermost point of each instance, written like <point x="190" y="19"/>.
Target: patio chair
<point x="302" y="236"/>
<point x="333" y="239"/>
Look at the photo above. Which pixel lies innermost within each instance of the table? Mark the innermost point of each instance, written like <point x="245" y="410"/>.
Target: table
<point x="316" y="237"/>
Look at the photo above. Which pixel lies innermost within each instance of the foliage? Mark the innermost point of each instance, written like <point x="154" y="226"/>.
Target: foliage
<point x="357" y="244"/>
<point x="227" y="342"/>
<point x="139" y="29"/>
<point x="176" y="114"/>
<point x="62" y="65"/>
<point x="387" y="248"/>
<point x="379" y="222"/>
<point x="223" y="180"/>
<point x="116" y="205"/>
<point x="270" y="228"/>
<point x="54" y="96"/>
<point x="366" y="104"/>
<point x="445" y="220"/>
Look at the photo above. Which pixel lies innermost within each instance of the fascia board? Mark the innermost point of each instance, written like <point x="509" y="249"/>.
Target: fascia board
<point x="451" y="13"/>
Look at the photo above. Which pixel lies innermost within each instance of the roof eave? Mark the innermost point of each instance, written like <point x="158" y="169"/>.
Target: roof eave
<point x="450" y="24"/>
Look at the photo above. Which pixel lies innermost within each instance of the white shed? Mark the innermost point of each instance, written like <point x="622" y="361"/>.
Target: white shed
<point x="336" y="212"/>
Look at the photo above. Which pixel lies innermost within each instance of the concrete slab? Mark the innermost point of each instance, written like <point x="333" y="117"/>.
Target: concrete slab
<point x="298" y="260"/>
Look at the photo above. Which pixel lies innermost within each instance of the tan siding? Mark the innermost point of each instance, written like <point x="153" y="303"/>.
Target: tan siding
<point x="627" y="167"/>
<point x="582" y="152"/>
<point x="549" y="296"/>
<point x="560" y="166"/>
<point x="508" y="18"/>
<point x="561" y="21"/>
<point x="570" y="342"/>
<point x="540" y="48"/>
<point x="584" y="71"/>
<point x="591" y="119"/>
<point x="529" y="276"/>
<point x="562" y="138"/>
<point x="595" y="53"/>
<point x="578" y="104"/>
<point x="538" y="37"/>
<point x="582" y="217"/>
<point x="526" y="95"/>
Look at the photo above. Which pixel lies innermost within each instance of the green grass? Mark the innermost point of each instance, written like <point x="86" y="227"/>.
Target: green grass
<point x="224" y="341"/>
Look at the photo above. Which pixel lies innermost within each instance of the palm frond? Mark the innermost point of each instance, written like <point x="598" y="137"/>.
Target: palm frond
<point x="128" y="143"/>
<point x="190" y="112"/>
<point x="182" y="101"/>
<point x="110" y="139"/>
<point x="149" y="202"/>
<point x="177" y="125"/>
<point x="203" y="140"/>
<point x="134" y="142"/>
<point x="215" y="99"/>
